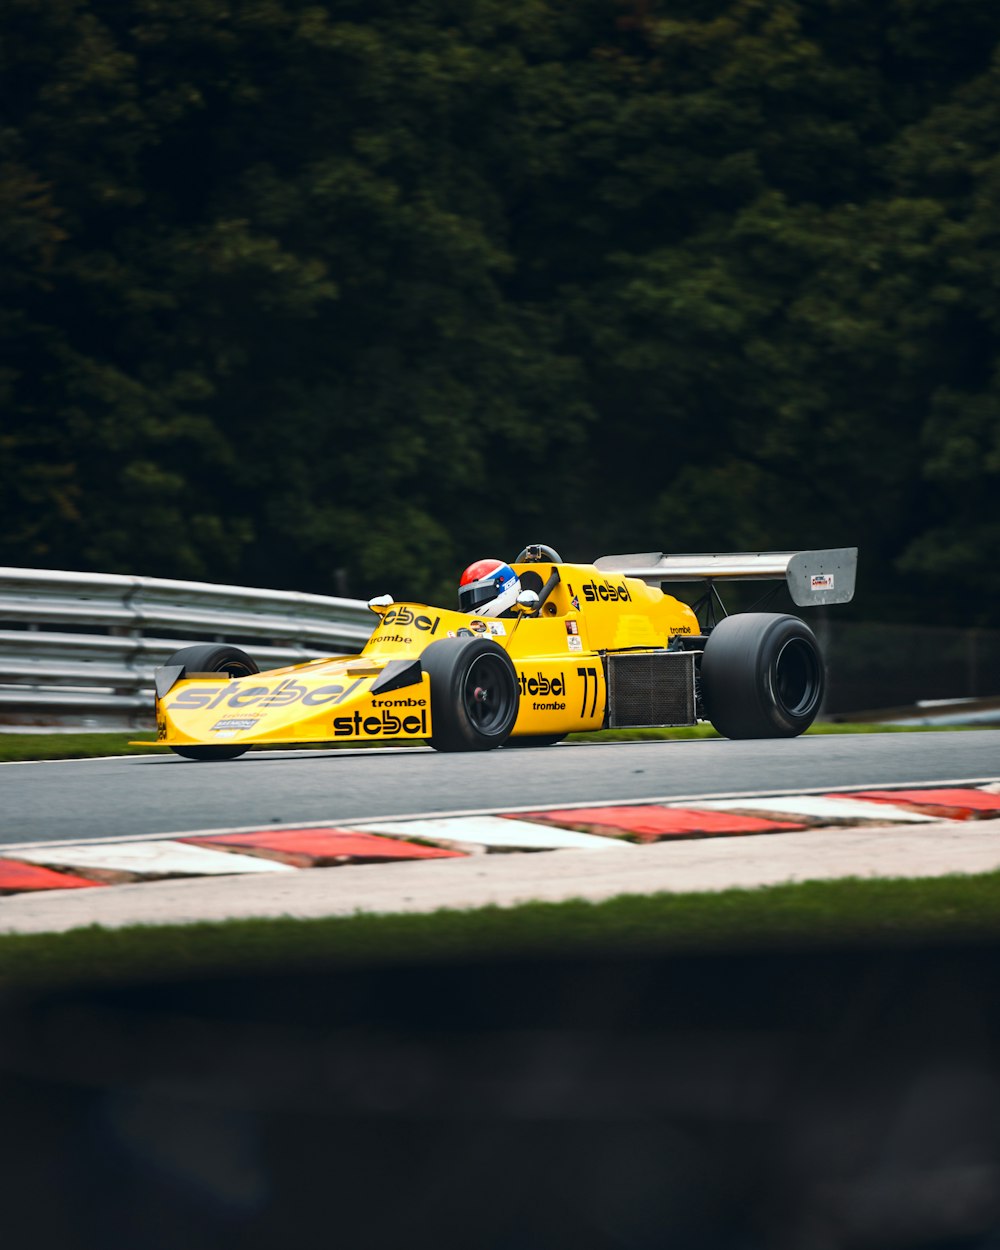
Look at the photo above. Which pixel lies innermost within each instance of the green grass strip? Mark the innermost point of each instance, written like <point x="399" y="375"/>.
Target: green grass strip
<point x="72" y="746"/>
<point x="825" y="913"/>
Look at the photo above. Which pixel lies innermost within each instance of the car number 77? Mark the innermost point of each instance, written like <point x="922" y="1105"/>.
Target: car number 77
<point x="588" y="675"/>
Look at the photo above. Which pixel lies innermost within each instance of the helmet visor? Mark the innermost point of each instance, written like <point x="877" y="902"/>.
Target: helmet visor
<point x="472" y="598"/>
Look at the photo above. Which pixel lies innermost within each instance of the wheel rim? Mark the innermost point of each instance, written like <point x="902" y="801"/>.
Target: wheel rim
<point x="236" y="668"/>
<point x="487" y="694"/>
<point x="798" y="678"/>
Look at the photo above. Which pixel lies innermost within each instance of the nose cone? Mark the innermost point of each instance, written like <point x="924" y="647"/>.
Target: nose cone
<point x="287" y="705"/>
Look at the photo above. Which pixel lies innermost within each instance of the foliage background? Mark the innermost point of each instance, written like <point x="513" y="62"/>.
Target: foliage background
<point x="289" y="288"/>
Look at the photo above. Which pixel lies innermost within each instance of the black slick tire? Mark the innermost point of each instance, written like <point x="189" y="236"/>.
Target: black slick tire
<point x="212" y="657"/>
<point x="474" y="694"/>
<point x="762" y="676"/>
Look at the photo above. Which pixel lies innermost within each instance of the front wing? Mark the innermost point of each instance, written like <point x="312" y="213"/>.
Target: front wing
<point x="328" y="700"/>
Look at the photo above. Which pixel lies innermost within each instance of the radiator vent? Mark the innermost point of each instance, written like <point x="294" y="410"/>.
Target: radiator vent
<point x="651" y="688"/>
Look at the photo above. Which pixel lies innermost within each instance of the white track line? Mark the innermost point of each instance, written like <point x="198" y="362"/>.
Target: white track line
<point x="673" y="800"/>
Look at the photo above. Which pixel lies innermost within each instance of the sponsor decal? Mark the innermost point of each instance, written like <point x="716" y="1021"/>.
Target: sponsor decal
<point x="478" y="629"/>
<point x="539" y="685"/>
<point x="574" y="642"/>
<point x="234" y="723"/>
<point x="408" y="701"/>
<point x="402" y="639"/>
<point x="575" y="601"/>
<point x="386" y="725"/>
<point x="572" y="627"/>
<point x="592" y="591"/>
<point x="682" y="629"/>
<point x="284" y="694"/>
<point x="821" y="581"/>
<point x="554" y="706"/>
<point x="402" y="617"/>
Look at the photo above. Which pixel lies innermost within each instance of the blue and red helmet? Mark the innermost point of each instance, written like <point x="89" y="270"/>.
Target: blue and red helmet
<point x="488" y="588"/>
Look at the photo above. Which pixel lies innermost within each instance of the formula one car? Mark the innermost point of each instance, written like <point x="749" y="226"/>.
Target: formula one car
<point x="584" y="647"/>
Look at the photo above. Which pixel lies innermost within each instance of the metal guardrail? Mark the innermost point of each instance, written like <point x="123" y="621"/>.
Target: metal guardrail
<point x="78" y="650"/>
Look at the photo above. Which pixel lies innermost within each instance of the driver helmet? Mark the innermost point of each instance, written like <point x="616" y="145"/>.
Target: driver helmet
<point x="488" y="588"/>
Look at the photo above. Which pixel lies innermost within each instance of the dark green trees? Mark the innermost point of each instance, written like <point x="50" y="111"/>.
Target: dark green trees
<point x="291" y="288"/>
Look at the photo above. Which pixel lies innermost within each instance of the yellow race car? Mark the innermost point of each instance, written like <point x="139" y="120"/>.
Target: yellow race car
<point x="579" y="647"/>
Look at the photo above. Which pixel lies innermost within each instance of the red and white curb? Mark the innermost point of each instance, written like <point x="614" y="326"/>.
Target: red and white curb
<point x="83" y="865"/>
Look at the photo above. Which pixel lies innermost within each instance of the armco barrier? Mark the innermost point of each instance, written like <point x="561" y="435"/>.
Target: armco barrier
<point x="79" y="649"/>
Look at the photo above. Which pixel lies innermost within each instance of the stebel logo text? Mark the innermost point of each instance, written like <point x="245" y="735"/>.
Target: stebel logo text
<point x="406" y="616"/>
<point x="540" y="685"/>
<point x="592" y="592"/>
<point x="284" y="695"/>
<point x="386" y="725"/>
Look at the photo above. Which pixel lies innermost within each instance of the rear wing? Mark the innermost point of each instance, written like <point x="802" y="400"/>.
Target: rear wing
<point x="814" y="577"/>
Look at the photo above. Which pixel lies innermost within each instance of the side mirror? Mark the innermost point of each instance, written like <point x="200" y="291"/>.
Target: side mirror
<point x="527" y="602"/>
<point x="380" y="603"/>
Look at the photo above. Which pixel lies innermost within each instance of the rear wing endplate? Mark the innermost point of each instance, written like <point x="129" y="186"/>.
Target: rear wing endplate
<point x="814" y="577"/>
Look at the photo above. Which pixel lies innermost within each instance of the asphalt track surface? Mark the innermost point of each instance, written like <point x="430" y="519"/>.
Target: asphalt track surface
<point x="148" y="795"/>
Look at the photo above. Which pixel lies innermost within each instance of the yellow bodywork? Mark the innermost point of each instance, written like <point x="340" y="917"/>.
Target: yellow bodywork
<point x="557" y="657"/>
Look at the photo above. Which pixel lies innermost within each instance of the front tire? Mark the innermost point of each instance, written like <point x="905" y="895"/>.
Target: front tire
<point x="214" y="658"/>
<point x="762" y="676"/>
<point x="474" y="694"/>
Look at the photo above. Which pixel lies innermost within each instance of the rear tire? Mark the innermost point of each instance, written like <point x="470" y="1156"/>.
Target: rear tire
<point x="762" y="676"/>
<point x="474" y="694"/>
<point x="214" y="658"/>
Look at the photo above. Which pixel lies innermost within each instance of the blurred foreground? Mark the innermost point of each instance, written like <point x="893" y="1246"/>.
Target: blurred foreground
<point x="823" y="1099"/>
